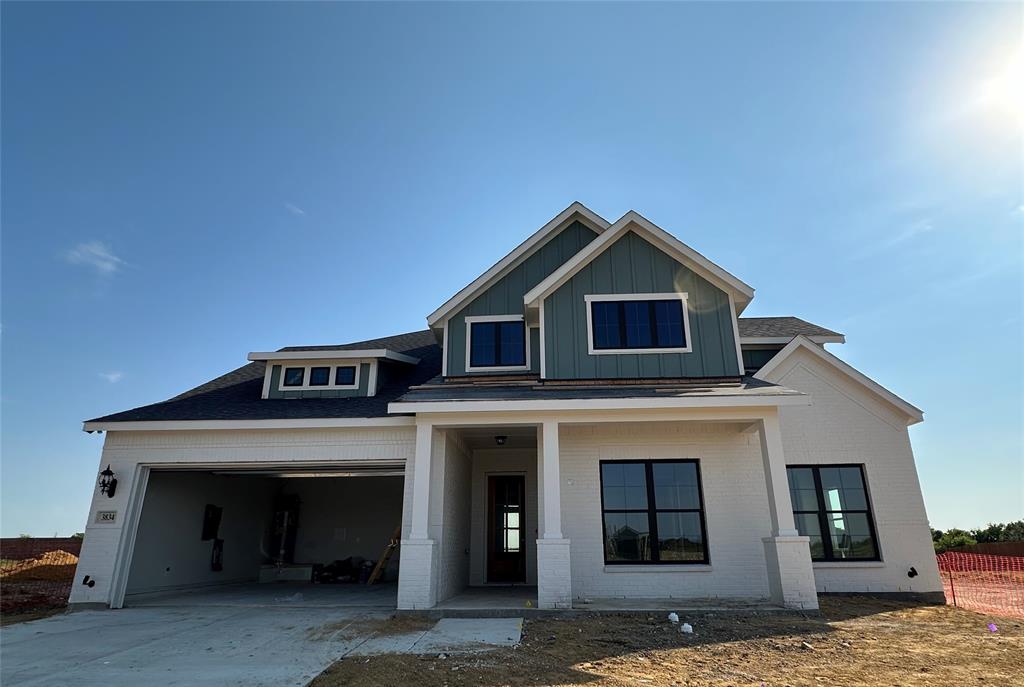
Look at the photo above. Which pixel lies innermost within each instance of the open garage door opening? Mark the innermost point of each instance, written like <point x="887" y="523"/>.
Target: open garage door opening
<point x="309" y="536"/>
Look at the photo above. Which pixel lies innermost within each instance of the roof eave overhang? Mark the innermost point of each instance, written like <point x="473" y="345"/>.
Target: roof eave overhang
<point x="576" y="211"/>
<point x="741" y="292"/>
<point x="358" y="354"/>
<point x="548" y="405"/>
<point x="783" y="340"/>
<point x="282" y="423"/>
<point x="912" y="413"/>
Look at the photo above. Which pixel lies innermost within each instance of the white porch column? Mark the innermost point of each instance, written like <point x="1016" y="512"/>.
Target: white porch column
<point x="417" y="583"/>
<point x="554" y="581"/>
<point x="787" y="554"/>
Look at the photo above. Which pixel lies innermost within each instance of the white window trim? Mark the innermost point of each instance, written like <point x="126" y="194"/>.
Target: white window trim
<point x="321" y="387"/>
<point x="470" y="319"/>
<point x="590" y="298"/>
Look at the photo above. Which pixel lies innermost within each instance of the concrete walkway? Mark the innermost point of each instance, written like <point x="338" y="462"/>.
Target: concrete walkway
<point x="225" y="637"/>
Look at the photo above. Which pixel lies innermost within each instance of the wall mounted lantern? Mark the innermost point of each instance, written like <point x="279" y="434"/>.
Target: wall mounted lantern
<point x="108" y="483"/>
<point x="500" y="439"/>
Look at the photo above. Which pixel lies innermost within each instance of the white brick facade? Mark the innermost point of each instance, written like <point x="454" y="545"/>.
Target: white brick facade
<point x="735" y="499"/>
<point x="846" y="424"/>
<point x="748" y="560"/>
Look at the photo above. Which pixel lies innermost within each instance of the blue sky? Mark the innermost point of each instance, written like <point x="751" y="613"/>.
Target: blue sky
<point x="183" y="184"/>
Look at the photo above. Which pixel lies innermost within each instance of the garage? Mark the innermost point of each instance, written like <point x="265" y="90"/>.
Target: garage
<point x="311" y="535"/>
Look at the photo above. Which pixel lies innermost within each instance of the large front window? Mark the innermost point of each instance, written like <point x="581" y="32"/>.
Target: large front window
<point x="496" y="344"/>
<point x="653" y="512"/>
<point x="651" y="323"/>
<point x="830" y="505"/>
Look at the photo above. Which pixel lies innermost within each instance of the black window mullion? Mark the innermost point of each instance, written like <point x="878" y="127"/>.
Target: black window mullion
<point x="620" y="309"/>
<point x="652" y="324"/>
<point x="652" y="517"/>
<point x="497" y="343"/>
<point x="826" y="533"/>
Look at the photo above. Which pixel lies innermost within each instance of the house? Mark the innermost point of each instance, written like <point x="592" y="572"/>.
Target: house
<point x="591" y="417"/>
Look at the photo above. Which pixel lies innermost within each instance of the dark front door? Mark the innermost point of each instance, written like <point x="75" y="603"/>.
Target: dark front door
<point x="506" y="528"/>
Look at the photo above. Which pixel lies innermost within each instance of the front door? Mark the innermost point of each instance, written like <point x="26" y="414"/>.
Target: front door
<point x="506" y="543"/>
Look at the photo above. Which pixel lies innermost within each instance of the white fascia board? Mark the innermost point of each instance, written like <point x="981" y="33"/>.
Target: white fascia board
<point x="783" y="340"/>
<point x="376" y="353"/>
<point x="575" y="211"/>
<point x="303" y="423"/>
<point x="742" y="292"/>
<point x="913" y="413"/>
<point x="773" y="400"/>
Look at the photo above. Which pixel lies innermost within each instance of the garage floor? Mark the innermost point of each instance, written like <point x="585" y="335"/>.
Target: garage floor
<point x="239" y="635"/>
<point x="279" y="594"/>
<point x="253" y="635"/>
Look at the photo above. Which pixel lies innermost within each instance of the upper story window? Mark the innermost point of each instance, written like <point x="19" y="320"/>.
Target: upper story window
<point x="496" y="343"/>
<point x="294" y="376"/>
<point x="638" y="323"/>
<point x="830" y="505"/>
<point x="300" y="377"/>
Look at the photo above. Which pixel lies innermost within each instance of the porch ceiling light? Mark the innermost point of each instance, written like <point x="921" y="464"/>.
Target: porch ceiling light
<point x="500" y="439"/>
<point x="108" y="483"/>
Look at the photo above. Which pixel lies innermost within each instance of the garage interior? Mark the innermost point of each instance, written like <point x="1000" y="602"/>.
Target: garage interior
<point x="312" y="534"/>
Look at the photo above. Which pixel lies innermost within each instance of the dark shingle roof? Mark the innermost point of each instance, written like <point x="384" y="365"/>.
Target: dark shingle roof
<point x="781" y="326"/>
<point x="237" y="394"/>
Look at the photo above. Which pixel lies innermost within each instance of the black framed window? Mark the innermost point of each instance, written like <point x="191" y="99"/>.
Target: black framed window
<point x="653" y="512"/>
<point x="345" y="376"/>
<point x="638" y="324"/>
<point x="830" y="505"/>
<point x="319" y="376"/>
<point x="294" y="376"/>
<point x="497" y="344"/>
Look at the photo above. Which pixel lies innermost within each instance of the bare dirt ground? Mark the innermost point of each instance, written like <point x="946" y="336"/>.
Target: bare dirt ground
<point x="855" y="641"/>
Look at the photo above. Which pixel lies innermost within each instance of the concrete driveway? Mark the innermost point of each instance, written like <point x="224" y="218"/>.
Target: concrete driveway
<point x="230" y="637"/>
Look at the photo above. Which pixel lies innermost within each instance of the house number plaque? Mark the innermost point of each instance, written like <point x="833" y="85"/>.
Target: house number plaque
<point x="106" y="517"/>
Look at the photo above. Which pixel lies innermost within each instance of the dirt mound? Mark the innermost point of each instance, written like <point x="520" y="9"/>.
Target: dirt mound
<point x="52" y="566"/>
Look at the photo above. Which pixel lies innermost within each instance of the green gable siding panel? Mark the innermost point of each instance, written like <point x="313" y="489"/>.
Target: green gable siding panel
<point x="275" y="392"/>
<point x="505" y="296"/>
<point x="632" y="265"/>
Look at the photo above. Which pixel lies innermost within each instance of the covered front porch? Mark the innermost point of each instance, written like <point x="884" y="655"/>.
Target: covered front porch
<point x="553" y="528"/>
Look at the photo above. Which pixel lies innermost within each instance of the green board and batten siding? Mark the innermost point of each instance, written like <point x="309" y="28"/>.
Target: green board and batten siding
<point x="276" y="392"/>
<point x="633" y="265"/>
<point x="505" y="296"/>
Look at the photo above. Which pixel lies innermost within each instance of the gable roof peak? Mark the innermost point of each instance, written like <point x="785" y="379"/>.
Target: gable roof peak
<point x="575" y="211"/>
<point x="741" y="292"/>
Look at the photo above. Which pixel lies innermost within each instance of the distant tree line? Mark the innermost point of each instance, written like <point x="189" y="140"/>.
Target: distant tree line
<point x="945" y="540"/>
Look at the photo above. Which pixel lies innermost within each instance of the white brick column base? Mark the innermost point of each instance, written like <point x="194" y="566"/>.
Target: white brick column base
<point x="554" y="578"/>
<point x="417" y="586"/>
<point x="790" y="575"/>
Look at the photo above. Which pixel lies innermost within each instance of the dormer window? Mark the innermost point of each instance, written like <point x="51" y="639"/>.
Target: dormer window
<point x="496" y="343"/>
<point x="638" y="323"/>
<point x="294" y="376"/>
<point x="319" y="376"/>
<point x="303" y="377"/>
<point x="345" y="375"/>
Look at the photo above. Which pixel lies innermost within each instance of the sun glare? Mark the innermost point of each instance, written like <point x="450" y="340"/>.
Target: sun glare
<point x="1002" y="93"/>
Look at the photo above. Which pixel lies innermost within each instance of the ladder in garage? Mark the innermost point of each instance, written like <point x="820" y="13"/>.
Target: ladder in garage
<point x="389" y="550"/>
